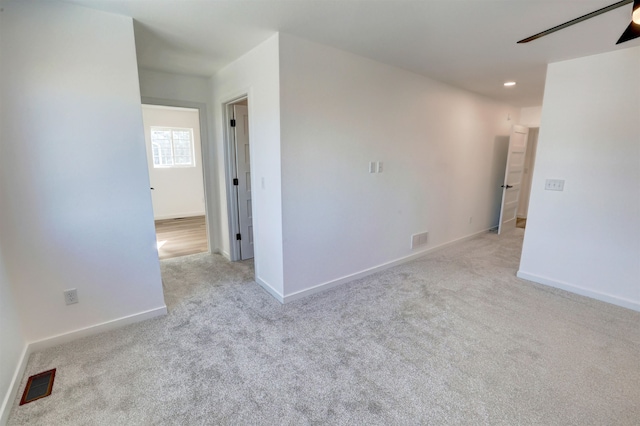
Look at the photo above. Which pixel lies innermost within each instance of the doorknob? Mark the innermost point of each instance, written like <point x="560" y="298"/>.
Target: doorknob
<point x="508" y="186"/>
<point x="152" y="189"/>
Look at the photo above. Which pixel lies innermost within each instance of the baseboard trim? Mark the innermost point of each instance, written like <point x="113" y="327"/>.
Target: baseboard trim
<point x="95" y="329"/>
<point x="14" y="386"/>
<point x="272" y="291"/>
<point x="603" y="297"/>
<point x="366" y="272"/>
<point x="179" y="216"/>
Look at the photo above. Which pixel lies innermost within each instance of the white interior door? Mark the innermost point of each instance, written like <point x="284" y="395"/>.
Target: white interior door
<point x="243" y="170"/>
<point x="513" y="177"/>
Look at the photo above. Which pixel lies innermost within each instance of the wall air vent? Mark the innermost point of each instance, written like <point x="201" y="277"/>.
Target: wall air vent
<point x="418" y="240"/>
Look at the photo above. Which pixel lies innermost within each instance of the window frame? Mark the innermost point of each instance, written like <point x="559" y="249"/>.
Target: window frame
<point x="173" y="150"/>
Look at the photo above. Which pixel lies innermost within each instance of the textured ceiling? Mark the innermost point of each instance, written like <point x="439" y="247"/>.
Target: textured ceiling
<point x="469" y="44"/>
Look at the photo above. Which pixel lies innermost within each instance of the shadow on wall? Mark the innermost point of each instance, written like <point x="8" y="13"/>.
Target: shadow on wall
<point x="500" y="154"/>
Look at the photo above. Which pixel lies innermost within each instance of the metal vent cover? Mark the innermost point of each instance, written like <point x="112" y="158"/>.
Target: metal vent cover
<point x="38" y="386"/>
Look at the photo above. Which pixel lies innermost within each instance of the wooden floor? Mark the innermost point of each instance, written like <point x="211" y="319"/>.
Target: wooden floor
<point x="180" y="237"/>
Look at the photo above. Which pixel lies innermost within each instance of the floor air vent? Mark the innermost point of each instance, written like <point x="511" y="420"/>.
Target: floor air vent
<point x="38" y="386"/>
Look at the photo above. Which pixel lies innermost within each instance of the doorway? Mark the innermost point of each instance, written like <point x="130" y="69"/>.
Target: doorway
<point x="518" y="177"/>
<point x="513" y="176"/>
<point x="176" y="173"/>
<point x="529" y="163"/>
<point x="238" y="165"/>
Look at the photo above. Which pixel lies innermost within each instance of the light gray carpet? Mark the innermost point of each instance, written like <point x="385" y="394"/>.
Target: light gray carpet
<point x="453" y="338"/>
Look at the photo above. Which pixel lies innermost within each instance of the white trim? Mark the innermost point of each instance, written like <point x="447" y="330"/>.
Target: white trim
<point x="230" y="165"/>
<point x="180" y="215"/>
<point x="14" y="386"/>
<point x="272" y="291"/>
<point x="334" y="283"/>
<point x="164" y="106"/>
<point x="604" y="297"/>
<point x="59" y="339"/>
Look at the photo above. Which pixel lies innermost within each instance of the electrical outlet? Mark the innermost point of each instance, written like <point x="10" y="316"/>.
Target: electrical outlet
<point x="71" y="296"/>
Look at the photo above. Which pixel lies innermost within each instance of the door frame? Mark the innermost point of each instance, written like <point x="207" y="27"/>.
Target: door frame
<point x="230" y="174"/>
<point x="530" y="161"/>
<point x="207" y="172"/>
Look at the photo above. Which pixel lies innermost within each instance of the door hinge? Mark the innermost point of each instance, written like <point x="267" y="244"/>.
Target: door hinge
<point x="238" y="237"/>
<point x="235" y="181"/>
<point x="233" y="122"/>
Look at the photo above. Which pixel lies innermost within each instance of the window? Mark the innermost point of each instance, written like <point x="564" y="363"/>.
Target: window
<point x="172" y="147"/>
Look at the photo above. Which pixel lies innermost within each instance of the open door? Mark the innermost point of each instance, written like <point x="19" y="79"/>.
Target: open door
<point x="513" y="177"/>
<point x="243" y="183"/>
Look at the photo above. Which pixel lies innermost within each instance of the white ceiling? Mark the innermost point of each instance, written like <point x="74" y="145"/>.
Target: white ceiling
<point x="470" y="44"/>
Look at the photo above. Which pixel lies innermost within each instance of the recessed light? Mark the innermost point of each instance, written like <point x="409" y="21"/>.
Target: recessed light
<point x="510" y="84"/>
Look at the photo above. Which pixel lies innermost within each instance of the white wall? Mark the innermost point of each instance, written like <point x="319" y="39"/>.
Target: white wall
<point x="531" y="116"/>
<point x="439" y="146"/>
<point x="162" y="85"/>
<point x="256" y="74"/>
<point x="12" y="341"/>
<point x="12" y="338"/>
<point x="76" y="207"/>
<point x="586" y="239"/>
<point x="178" y="191"/>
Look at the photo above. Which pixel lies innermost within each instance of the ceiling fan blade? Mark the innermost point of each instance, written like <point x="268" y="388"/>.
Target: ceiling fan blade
<point x="632" y="31"/>
<point x="577" y="20"/>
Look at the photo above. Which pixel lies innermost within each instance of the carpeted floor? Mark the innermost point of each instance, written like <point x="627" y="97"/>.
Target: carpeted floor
<point x="453" y="338"/>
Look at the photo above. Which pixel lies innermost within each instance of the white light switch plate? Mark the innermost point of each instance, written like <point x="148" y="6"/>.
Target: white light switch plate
<point x="379" y="166"/>
<point x="372" y="166"/>
<point x="554" y="185"/>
